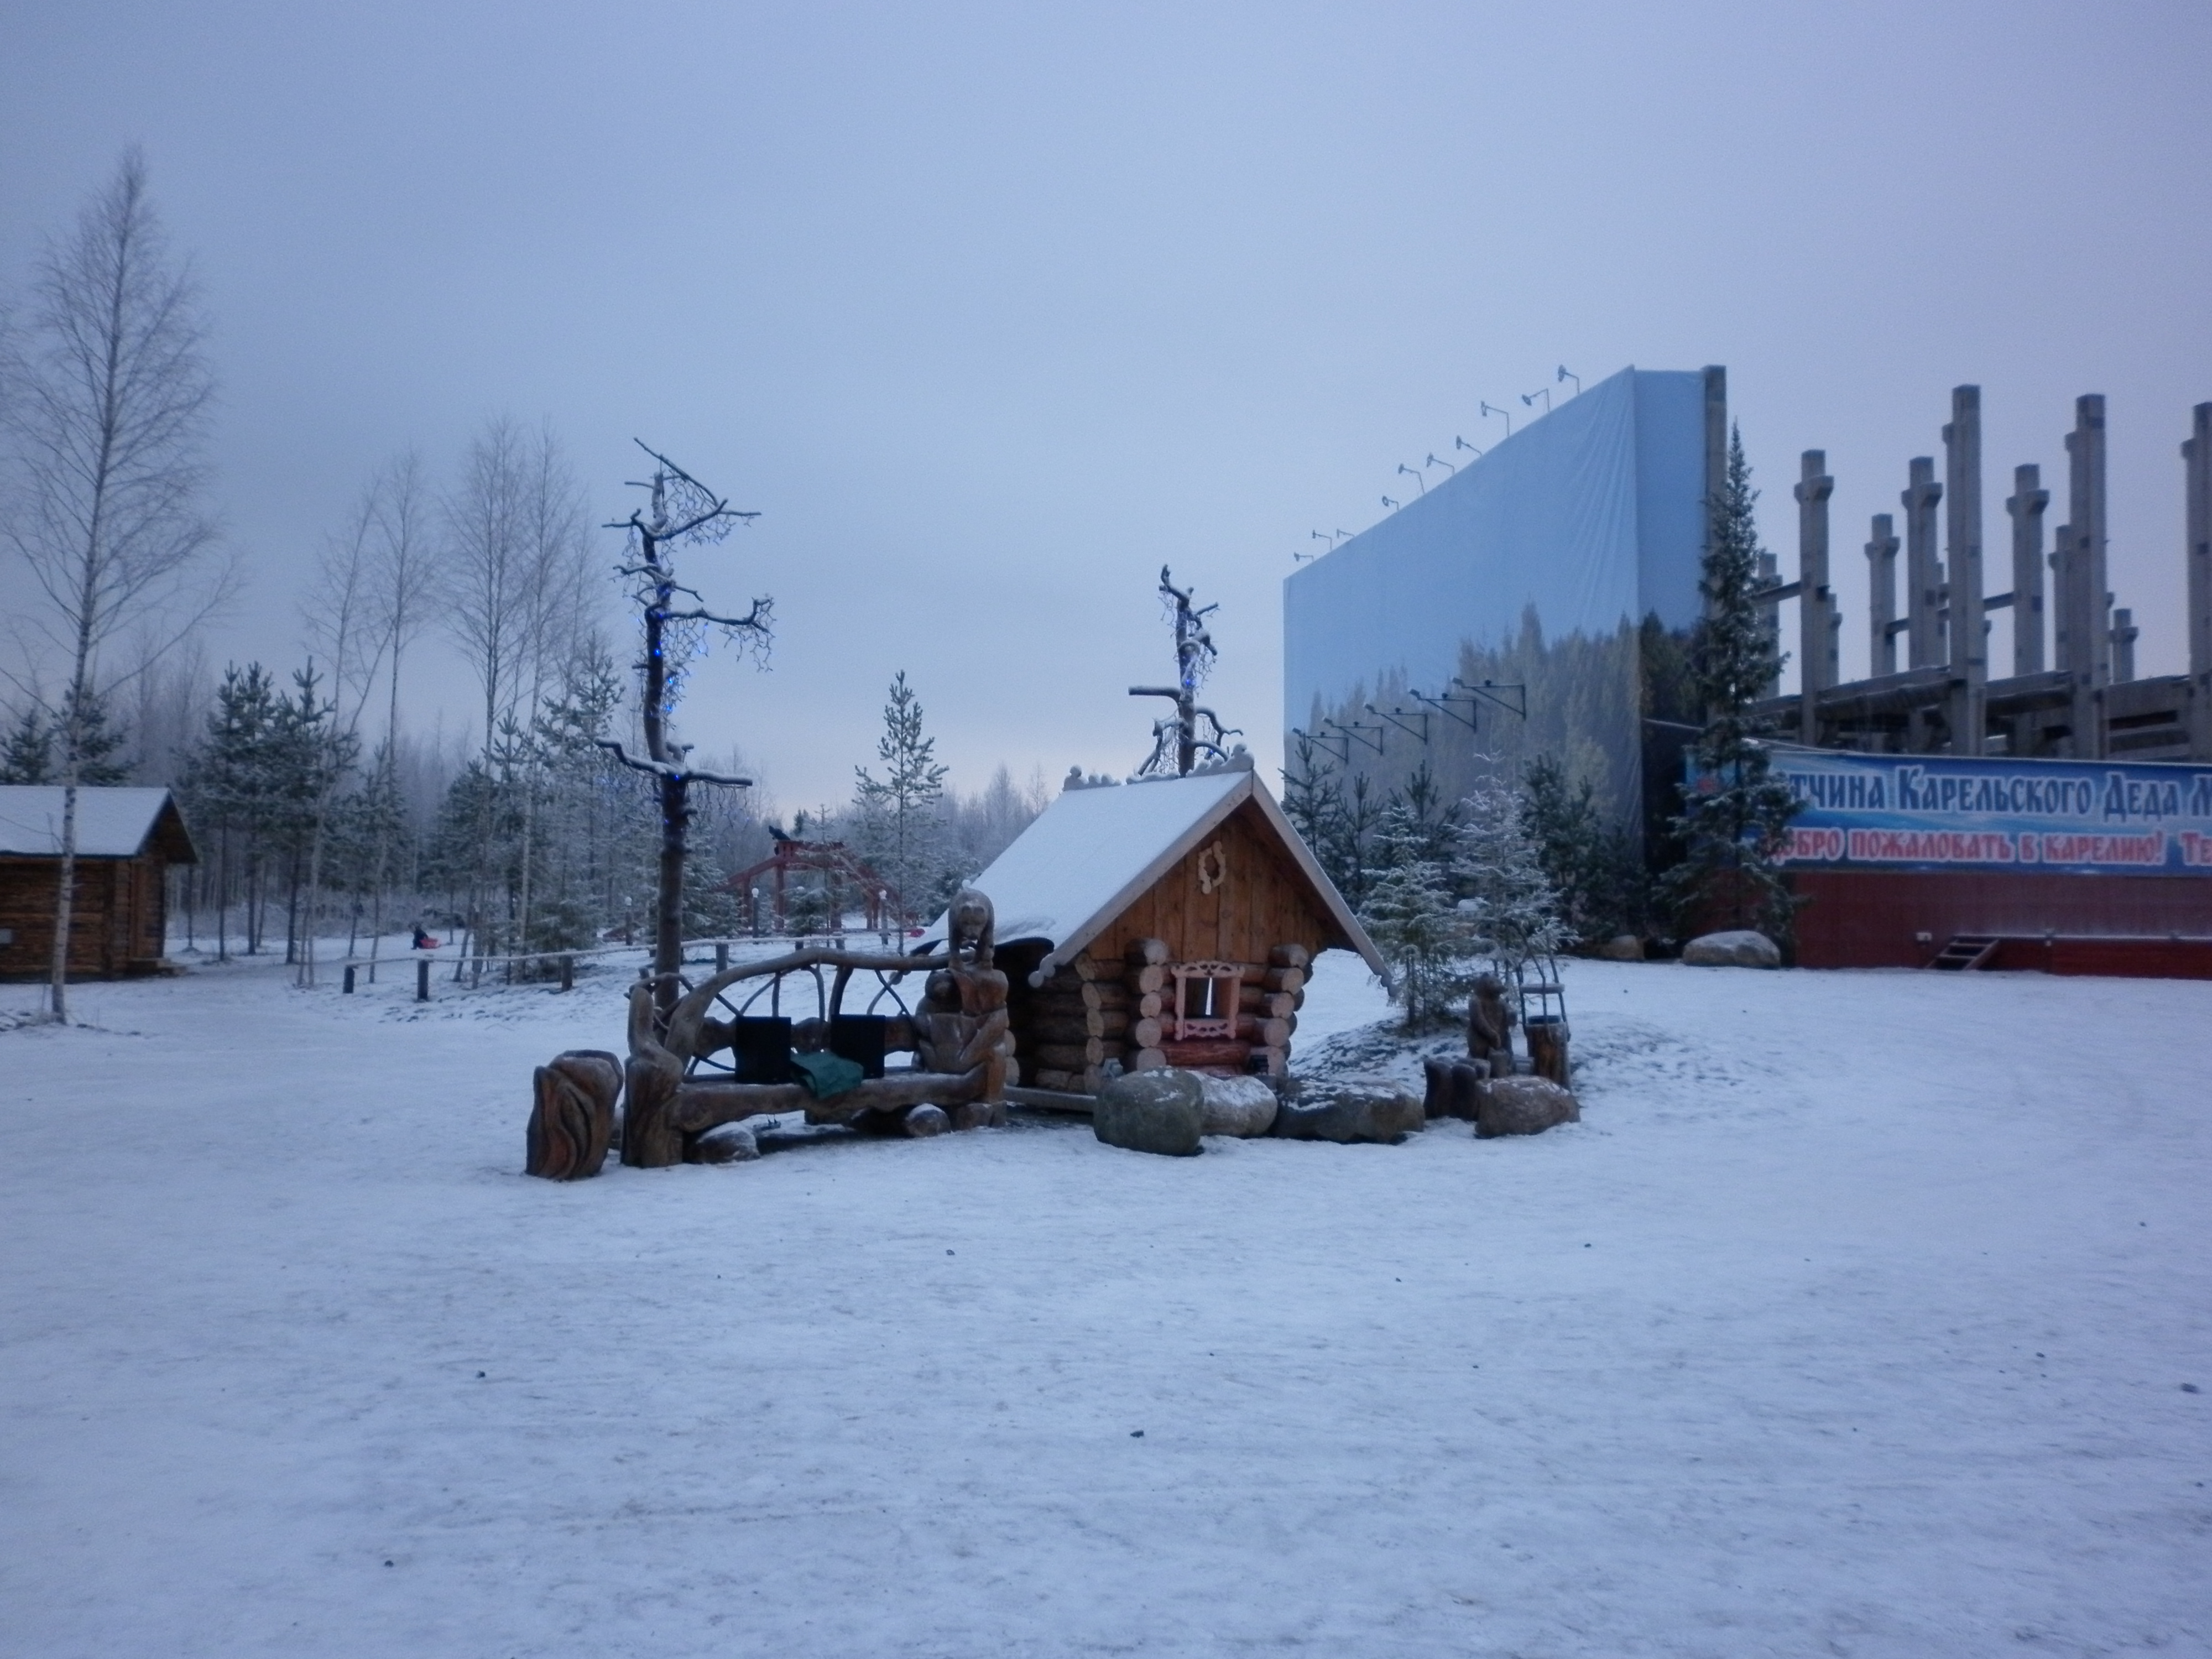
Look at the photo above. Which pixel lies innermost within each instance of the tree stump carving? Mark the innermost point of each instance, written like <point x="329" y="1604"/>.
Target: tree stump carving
<point x="572" y="1115"/>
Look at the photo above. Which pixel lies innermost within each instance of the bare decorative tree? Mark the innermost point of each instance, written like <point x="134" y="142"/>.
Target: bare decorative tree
<point x="1179" y="738"/>
<point x="106" y="414"/>
<point x="683" y="510"/>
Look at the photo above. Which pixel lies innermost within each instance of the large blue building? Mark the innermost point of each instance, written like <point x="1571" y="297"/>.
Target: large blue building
<point x="1562" y="566"/>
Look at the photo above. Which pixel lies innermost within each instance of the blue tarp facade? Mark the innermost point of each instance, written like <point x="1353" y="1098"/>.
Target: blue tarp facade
<point x="1537" y="563"/>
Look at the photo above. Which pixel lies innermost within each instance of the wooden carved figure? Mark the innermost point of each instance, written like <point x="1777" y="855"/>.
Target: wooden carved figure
<point x="1490" y="1025"/>
<point x="962" y="1023"/>
<point x="572" y="1118"/>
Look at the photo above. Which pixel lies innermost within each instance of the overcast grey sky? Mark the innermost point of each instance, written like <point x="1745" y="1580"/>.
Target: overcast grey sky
<point x="992" y="310"/>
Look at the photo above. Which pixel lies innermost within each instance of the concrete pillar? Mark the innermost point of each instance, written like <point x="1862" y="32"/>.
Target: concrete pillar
<point x="1923" y="573"/>
<point x="1770" y="619"/>
<point x="1816" y="600"/>
<point x="1962" y="545"/>
<point x="2085" y="614"/>
<point x="1881" y="597"/>
<point x="2196" y="453"/>
<point x="2025" y="504"/>
<point x="2124" y="634"/>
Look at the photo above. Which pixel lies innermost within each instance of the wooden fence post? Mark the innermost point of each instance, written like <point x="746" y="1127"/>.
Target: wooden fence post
<point x="422" y="979"/>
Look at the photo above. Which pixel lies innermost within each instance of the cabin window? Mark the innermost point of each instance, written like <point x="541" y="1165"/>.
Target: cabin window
<point x="1205" y="999"/>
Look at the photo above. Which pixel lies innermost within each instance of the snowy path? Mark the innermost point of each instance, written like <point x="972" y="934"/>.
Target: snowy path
<point x="1854" y="1319"/>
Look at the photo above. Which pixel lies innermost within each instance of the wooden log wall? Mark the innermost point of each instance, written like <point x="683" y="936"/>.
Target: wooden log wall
<point x="1248" y="899"/>
<point x="116" y="923"/>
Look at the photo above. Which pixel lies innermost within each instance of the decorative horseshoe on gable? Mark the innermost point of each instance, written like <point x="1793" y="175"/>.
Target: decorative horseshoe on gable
<point x="1212" y="869"/>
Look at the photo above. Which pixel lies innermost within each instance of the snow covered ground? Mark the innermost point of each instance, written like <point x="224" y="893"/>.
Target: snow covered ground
<point x="1864" y="1314"/>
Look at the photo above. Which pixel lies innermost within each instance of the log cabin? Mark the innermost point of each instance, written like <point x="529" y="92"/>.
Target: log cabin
<point x="126" y="840"/>
<point x="1168" y="921"/>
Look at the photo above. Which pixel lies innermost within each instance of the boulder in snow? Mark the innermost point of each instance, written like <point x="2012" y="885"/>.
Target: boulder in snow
<point x="733" y="1143"/>
<point x="1621" y="947"/>
<point x="1522" y="1106"/>
<point x="1739" y="947"/>
<point x="1156" y="1111"/>
<point x="1237" y="1105"/>
<point x="1354" y="1108"/>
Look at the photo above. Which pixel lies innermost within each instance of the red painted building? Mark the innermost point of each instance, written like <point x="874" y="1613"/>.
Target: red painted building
<point x="2069" y="866"/>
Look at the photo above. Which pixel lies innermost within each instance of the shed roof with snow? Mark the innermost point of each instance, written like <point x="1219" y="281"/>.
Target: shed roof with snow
<point x="112" y="822"/>
<point x="1106" y="859"/>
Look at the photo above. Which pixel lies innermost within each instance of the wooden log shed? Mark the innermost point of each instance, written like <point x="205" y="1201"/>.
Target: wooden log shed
<point x="126" y="840"/>
<point x="1127" y="913"/>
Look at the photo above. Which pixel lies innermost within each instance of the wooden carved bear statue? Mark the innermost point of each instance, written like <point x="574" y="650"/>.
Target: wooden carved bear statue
<point x="1489" y="1026"/>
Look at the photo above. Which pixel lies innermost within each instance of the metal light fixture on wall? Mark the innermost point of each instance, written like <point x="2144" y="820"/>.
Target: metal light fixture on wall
<point x="1489" y="410"/>
<point x="1415" y="477"/>
<point x="1566" y="374"/>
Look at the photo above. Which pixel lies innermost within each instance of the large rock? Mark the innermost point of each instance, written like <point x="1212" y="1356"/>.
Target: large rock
<point x="1237" y="1105"/>
<point x="1522" y="1106"/>
<point x="1156" y="1111"/>
<point x="1354" y="1108"/>
<point x="1739" y="948"/>
<point x="1621" y="947"/>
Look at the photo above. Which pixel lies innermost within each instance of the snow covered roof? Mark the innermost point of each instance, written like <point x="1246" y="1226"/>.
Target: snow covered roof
<point x="1093" y="851"/>
<point x="112" y="823"/>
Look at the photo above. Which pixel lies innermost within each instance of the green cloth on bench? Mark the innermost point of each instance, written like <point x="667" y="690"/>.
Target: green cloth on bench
<point x="826" y="1076"/>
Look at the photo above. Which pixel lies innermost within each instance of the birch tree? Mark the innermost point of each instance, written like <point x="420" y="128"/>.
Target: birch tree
<point x="107" y="413"/>
<point x="341" y="617"/>
<point x="512" y="588"/>
<point x="401" y="583"/>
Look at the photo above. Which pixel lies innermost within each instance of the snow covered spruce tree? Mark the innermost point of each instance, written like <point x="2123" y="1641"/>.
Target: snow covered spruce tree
<point x="106" y="412"/>
<point x="682" y="513"/>
<point x="1411" y="916"/>
<point x="1735" y="816"/>
<point x="1510" y="906"/>
<point x="1408" y="901"/>
<point x="899" y="818"/>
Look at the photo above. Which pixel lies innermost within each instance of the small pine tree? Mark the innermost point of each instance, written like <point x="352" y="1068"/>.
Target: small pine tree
<point x="901" y="828"/>
<point x="1409" y="913"/>
<point x="1510" y="905"/>
<point x="1735" y="816"/>
<point x="27" y="754"/>
<point x="1592" y="865"/>
<point x="97" y="742"/>
<point x="1313" y="800"/>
